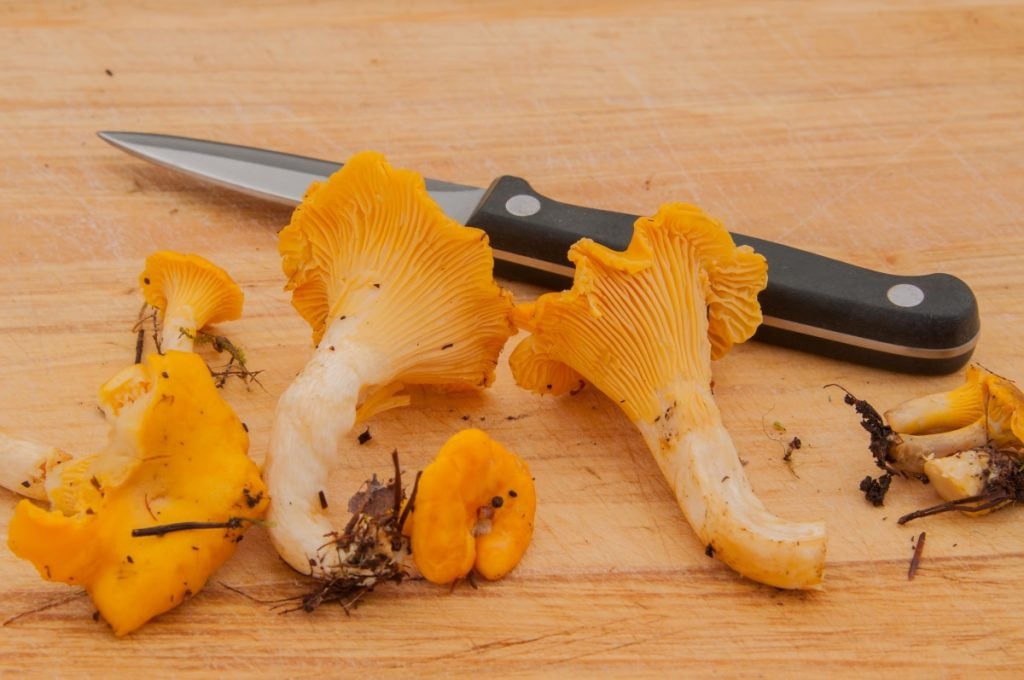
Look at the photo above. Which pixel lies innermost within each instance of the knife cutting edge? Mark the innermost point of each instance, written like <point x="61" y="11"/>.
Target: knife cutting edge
<point x="918" y="324"/>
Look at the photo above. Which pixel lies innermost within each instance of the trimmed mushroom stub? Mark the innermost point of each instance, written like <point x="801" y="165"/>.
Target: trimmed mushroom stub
<point x="968" y="441"/>
<point x="986" y="410"/>
<point x="643" y="326"/>
<point x="25" y="465"/>
<point x="396" y="293"/>
<point x="190" y="292"/>
<point x="474" y="508"/>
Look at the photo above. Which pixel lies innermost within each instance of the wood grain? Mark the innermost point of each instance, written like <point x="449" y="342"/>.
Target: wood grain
<point x="887" y="135"/>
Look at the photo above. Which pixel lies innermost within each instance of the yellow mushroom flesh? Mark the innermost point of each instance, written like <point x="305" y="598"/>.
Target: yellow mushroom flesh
<point x="474" y="508"/>
<point x="643" y="326"/>
<point x="189" y="465"/>
<point x="396" y="294"/>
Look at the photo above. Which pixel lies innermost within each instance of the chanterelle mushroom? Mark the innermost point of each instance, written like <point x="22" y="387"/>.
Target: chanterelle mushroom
<point x="396" y="293"/>
<point x="643" y="326"/>
<point x="190" y="292"/>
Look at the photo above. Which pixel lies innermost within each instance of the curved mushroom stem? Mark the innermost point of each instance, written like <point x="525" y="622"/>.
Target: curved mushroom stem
<point x="312" y="415"/>
<point x="700" y="463"/>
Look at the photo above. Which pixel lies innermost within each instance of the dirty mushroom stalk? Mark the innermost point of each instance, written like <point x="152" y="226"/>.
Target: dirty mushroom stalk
<point x="643" y="327"/>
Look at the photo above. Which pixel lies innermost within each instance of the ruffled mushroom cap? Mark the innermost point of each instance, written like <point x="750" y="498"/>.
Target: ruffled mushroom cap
<point x="1004" y="416"/>
<point x="474" y="507"/>
<point x="396" y="293"/>
<point x="679" y="296"/>
<point x="191" y="292"/>
<point x="371" y="248"/>
<point x="643" y="326"/>
<point x="189" y="465"/>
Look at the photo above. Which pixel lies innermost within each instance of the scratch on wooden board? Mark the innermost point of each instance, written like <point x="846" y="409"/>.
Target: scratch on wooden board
<point x="882" y="165"/>
<point x="1010" y="210"/>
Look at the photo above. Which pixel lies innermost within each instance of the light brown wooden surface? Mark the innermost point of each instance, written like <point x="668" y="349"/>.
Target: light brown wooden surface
<point x="890" y="135"/>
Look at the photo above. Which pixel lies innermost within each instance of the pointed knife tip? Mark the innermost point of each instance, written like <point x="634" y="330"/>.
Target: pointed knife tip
<point x="110" y="137"/>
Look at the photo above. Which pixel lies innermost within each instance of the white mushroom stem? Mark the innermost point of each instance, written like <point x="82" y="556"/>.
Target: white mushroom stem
<point x="25" y="465"/>
<point x="179" y="329"/>
<point x="914" y="450"/>
<point x="313" y="414"/>
<point x="699" y="460"/>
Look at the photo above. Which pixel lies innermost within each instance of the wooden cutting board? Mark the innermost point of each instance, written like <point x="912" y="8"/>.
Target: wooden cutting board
<point x="890" y="137"/>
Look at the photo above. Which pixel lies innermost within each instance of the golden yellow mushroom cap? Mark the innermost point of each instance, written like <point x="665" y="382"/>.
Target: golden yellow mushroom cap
<point x="174" y="281"/>
<point x="370" y="248"/>
<point x="943" y="411"/>
<point x="680" y="295"/>
<point x="190" y="465"/>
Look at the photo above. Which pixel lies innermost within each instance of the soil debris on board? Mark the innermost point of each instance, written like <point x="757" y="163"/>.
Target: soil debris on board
<point x="875" y="488"/>
<point x="778" y="430"/>
<point x="915" y="560"/>
<point x="882" y="436"/>
<point x="371" y="544"/>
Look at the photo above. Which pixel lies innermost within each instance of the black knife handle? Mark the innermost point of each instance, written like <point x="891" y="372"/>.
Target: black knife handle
<point x="917" y="324"/>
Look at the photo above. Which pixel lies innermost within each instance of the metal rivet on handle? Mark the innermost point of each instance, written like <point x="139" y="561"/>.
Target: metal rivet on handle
<point x="905" y="295"/>
<point x="522" y="205"/>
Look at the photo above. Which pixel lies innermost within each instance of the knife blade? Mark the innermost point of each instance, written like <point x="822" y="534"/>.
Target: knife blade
<point x="926" y="324"/>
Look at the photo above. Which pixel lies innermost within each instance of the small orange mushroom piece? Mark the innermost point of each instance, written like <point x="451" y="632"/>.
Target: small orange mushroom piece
<point x="643" y="326"/>
<point x="396" y="293"/>
<point x="191" y="292"/>
<point x="474" y="508"/>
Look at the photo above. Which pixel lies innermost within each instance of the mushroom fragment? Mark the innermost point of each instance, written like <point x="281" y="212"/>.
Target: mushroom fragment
<point x="474" y="508"/>
<point x="27" y="464"/>
<point x="643" y="326"/>
<point x="190" y="292"/>
<point x="968" y="442"/>
<point x="396" y="293"/>
<point x="143" y="523"/>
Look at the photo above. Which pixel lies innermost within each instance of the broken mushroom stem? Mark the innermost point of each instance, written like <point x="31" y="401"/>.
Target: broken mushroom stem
<point x="974" y="481"/>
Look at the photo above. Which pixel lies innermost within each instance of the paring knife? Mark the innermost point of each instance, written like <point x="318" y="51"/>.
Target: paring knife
<point x="916" y="324"/>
